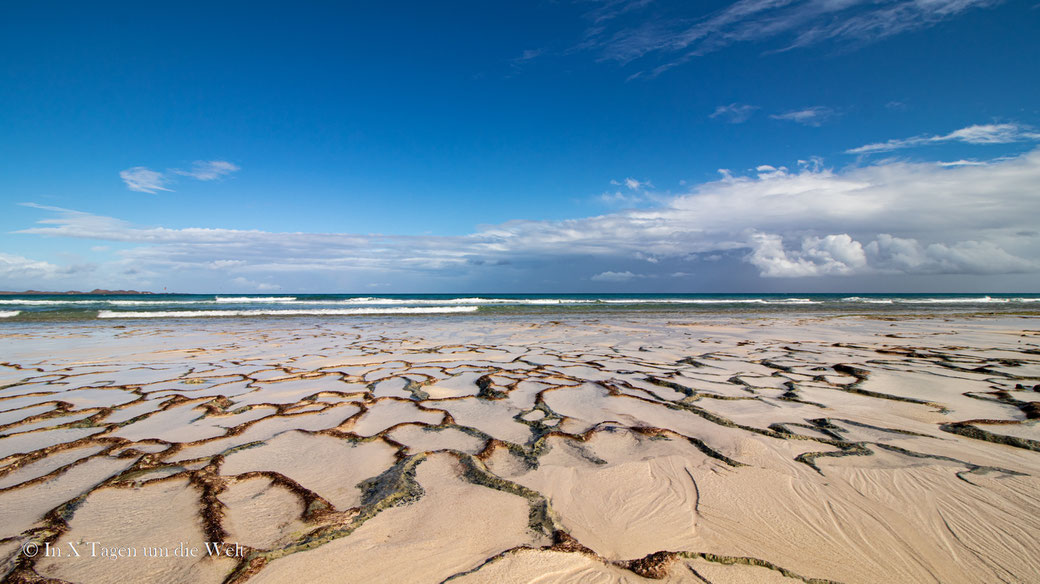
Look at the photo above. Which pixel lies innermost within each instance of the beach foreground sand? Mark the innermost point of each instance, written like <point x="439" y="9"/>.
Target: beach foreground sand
<point x="595" y="449"/>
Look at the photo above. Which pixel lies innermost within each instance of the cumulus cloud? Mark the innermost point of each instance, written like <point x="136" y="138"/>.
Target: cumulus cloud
<point x="830" y="255"/>
<point x="810" y="116"/>
<point x="963" y="257"/>
<point x="143" y="180"/>
<point x="208" y="169"/>
<point x="15" y="266"/>
<point x="842" y="256"/>
<point x="888" y="218"/>
<point x="734" y="113"/>
<point x="977" y="134"/>
<point x="19" y="272"/>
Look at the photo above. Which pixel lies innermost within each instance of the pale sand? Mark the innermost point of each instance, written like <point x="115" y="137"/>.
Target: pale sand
<point x="617" y="449"/>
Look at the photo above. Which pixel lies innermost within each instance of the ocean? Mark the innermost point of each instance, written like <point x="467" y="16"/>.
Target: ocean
<point x="61" y="307"/>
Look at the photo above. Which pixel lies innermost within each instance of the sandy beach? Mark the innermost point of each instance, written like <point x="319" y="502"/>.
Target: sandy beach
<point x="518" y="449"/>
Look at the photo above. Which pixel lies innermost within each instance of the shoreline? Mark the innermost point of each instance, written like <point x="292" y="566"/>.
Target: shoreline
<point x="311" y="318"/>
<point x="332" y="307"/>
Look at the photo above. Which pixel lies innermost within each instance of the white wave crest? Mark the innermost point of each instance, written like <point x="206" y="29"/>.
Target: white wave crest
<point x="868" y="300"/>
<point x="155" y="302"/>
<point x="713" y="301"/>
<point x="372" y="301"/>
<point x="551" y="301"/>
<point x="254" y="299"/>
<point x="289" y="312"/>
<point x="978" y="300"/>
<point x="9" y="313"/>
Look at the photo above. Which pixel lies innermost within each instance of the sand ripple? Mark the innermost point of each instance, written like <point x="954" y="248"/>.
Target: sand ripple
<point x="846" y="450"/>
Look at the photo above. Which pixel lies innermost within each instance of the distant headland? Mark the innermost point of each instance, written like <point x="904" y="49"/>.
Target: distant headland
<point x="70" y="292"/>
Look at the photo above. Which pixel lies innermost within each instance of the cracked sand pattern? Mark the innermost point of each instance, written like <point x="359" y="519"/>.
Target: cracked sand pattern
<point x="505" y="450"/>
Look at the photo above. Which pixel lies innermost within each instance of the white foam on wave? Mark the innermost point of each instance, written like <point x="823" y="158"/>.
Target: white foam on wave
<point x="374" y="301"/>
<point x="155" y="302"/>
<point x="416" y="302"/>
<point x="386" y="303"/>
<point x="286" y="312"/>
<point x="713" y="301"/>
<point x="978" y="300"/>
<point x="934" y="300"/>
<point x="9" y="313"/>
<point x="255" y="299"/>
<point x="868" y="300"/>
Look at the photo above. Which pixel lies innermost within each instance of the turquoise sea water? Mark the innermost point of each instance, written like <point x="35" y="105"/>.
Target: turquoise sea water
<point x="34" y="308"/>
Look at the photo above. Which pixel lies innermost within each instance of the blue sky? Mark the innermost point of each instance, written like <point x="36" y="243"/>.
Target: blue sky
<point x="762" y="145"/>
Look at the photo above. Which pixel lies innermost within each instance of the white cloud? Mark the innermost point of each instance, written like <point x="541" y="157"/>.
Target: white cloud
<point x="146" y="180"/>
<point x="840" y="255"/>
<point x="615" y="276"/>
<point x="611" y="9"/>
<point x="143" y="180"/>
<point x="963" y="257"/>
<point x="977" y="134"/>
<point x="208" y="169"/>
<point x="887" y="218"/>
<point x="962" y="162"/>
<point x="772" y="261"/>
<point x="632" y="184"/>
<point x="810" y="116"/>
<point x="19" y="267"/>
<point x="626" y="199"/>
<point x="635" y="195"/>
<point x="18" y="272"/>
<point x="258" y="286"/>
<point x="679" y="37"/>
<point x="225" y="264"/>
<point x="734" y="113"/>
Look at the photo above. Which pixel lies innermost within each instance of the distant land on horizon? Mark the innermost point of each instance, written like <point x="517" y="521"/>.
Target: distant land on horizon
<point x="71" y="292"/>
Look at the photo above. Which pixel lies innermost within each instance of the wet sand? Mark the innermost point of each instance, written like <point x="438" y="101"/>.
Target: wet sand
<point x="466" y="449"/>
